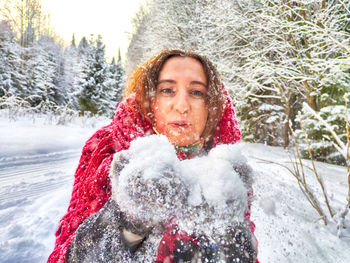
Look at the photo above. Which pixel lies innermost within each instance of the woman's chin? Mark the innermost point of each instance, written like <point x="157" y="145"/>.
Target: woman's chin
<point x="182" y="140"/>
<point x="180" y="137"/>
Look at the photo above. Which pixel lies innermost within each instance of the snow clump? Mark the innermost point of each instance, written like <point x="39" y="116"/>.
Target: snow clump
<point x="206" y="194"/>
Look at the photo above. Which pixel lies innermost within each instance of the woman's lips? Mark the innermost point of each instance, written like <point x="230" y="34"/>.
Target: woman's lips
<point x="179" y="124"/>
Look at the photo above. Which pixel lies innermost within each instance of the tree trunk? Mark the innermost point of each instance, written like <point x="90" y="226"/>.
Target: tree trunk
<point x="310" y="99"/>
<point x="286" y="122"/>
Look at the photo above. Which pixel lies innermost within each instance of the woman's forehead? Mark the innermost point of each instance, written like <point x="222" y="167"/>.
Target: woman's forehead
<point x="183" y="67"/>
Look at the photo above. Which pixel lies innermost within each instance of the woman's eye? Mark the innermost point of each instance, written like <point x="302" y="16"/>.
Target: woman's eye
<point x="198" y="93"/>
<point x="166" y="91"/>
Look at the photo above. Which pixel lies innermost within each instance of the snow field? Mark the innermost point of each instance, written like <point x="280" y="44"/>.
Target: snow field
<point x="288" y="229"/>
<point x="37" y="163"/>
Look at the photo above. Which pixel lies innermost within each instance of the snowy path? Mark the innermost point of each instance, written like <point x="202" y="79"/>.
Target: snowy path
<point x="33" y="195"/>
<point x="47" y="173"/>
<point x="37" y="164"/>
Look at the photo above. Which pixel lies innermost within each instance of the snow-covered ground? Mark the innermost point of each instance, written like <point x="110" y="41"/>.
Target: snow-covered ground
<point x="37" y="163"/>
<point x="288" y="228"/>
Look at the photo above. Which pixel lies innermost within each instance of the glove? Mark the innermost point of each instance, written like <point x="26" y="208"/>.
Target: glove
<point x="146" y="181"/>
<point x="235" y="246"/>
<point x="218" y="196"/>
<point x="217" y="204"/>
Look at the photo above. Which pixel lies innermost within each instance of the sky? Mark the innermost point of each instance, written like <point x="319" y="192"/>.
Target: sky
<point x="109" y="18"/>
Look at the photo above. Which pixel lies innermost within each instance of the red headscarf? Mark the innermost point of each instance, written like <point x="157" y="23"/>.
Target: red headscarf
<point x="91" y="187"/>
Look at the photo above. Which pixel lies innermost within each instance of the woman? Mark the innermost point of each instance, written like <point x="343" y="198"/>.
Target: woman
<point x="179" y="95"/>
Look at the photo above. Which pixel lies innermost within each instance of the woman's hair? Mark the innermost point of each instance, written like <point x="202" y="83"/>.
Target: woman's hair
<point x="144" y="80"/>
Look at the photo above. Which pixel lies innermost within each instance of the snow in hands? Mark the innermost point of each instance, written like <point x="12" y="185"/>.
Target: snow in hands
<point x="148" y="179"/>
<point x="205" y="194"/>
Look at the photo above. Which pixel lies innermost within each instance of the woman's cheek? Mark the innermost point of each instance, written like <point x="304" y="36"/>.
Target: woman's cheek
<point x="160" y="121"/>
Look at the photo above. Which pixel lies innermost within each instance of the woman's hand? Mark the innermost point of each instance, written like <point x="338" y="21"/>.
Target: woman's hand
<point x="146" y="180"/>
<point x="218" y="193"/>
<point x="236" y="245"/>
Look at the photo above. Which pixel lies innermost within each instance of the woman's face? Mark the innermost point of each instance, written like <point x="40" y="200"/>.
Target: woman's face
<point x="180" y="107"/>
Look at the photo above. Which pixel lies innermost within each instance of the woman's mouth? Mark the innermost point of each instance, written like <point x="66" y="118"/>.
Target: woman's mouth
<point x="179" y="124"/>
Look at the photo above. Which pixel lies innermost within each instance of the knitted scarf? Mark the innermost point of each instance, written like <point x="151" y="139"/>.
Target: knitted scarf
<point x="92" y="188"/>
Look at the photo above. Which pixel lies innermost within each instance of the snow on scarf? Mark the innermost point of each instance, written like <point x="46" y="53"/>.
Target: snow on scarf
<point x="91" y="188"/>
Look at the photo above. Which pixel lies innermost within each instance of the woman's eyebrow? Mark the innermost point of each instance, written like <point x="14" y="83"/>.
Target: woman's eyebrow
<point x="195" y="82"/>
<point x="166" y="80"/>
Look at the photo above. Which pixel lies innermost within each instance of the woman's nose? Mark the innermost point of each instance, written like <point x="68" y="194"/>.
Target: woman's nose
<point x="181" y="103"/>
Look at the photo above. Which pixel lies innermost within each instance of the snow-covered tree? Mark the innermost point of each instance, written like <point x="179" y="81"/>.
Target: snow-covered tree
<point x="28" y="19"/>
<point x="296" y="48"/>
<point x="25" y="17"/>
<point x="271" y="54"/>
<point x="10" y="62"/>
<point x="320" y="139"/>
<point x="72" y="66"/>
<point x="43" y="72"/>
<point x="96" y="94"/>
<point x="113" y="87"/>
<point x="117" y="78"/>
<point x="73" y="45"/>
<point x="88" y="95"/>
<point x="36" y="68"/>
<point x="83" y="45"/>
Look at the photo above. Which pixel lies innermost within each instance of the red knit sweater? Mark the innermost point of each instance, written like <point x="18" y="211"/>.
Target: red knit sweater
<point x="91" y="187"/>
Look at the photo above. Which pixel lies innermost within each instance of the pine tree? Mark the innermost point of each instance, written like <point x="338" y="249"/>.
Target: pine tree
<point x="10" y="75"/>
<point x="115" y="81"/>
<point x="83" y="45"/>
<point x="73" y="45"/>
<point x="95" y="96"/>
<point x="71" y="76"/>
<point x="43" y="73"/>
<point x="119" y="76"/>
